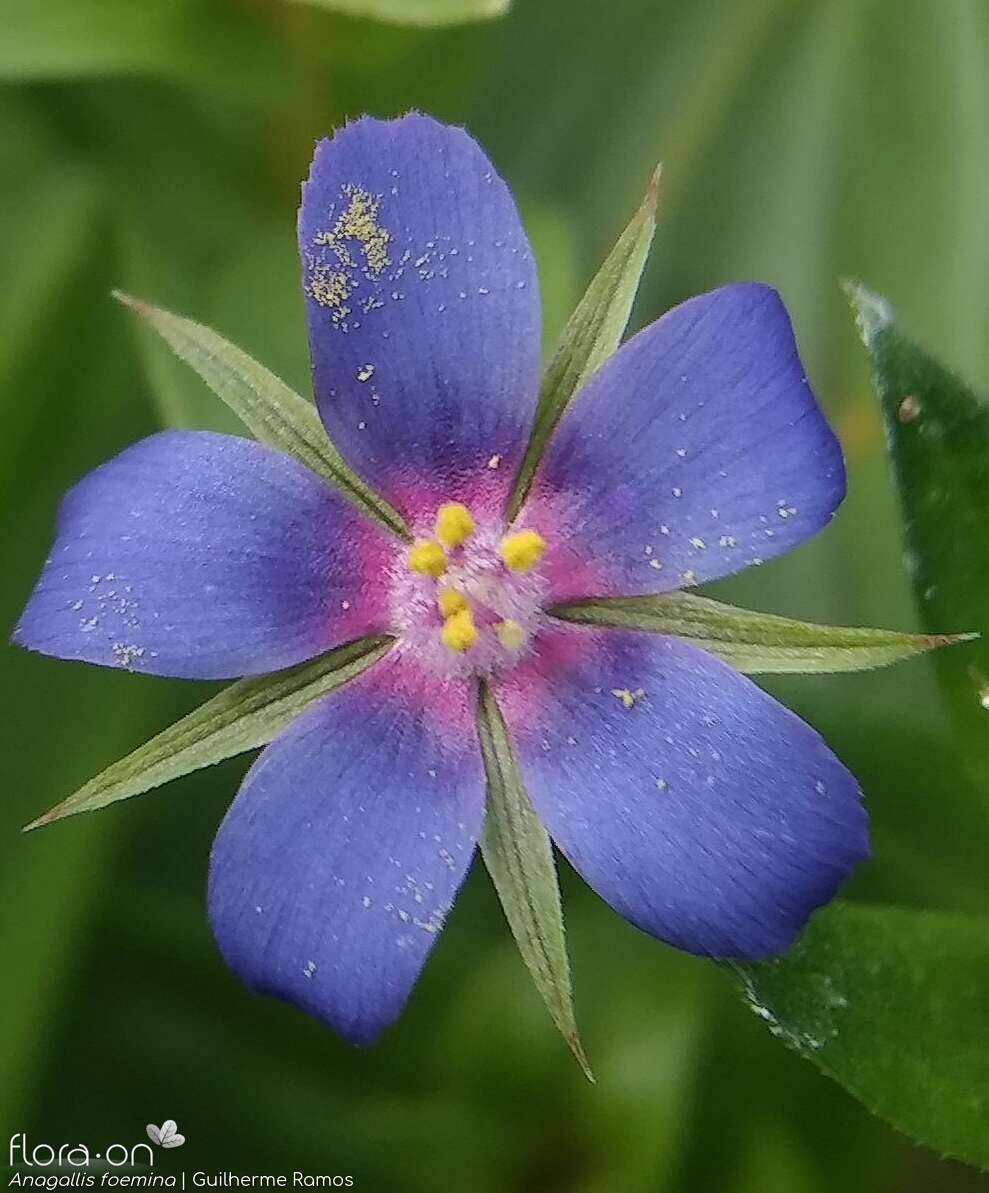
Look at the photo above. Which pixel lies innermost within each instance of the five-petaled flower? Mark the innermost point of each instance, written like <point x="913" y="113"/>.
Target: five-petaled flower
<point x="698" y="807"/>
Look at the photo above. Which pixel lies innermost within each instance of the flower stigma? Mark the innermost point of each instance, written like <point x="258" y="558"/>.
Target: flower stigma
<point x="469" y="596"/>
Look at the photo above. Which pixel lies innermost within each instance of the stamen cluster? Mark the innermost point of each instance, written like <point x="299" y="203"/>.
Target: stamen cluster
<point x="470" y="596"/>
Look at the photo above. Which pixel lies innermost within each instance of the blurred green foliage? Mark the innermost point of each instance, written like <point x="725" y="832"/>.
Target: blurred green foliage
<point x="158" y="146"/>
<point x="418" y="12"/>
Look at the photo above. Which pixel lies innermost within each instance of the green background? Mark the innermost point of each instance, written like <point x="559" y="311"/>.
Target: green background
<point x="158" y="145"/>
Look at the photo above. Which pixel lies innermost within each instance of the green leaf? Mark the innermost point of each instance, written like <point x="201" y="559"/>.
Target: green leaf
<point x="591" y="335"/>
<point x="248" y="714"/>
<point x="519" y="858"/>
<point x="756" y="643"/>
<point x="938" y="436"/>
<point x="272" y="411"/>
<point x="892" y="1004"/>
<point x="418" y="12"/>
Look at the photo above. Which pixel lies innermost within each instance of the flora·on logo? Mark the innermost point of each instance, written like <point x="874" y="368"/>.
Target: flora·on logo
<point x="76" y="1155"/>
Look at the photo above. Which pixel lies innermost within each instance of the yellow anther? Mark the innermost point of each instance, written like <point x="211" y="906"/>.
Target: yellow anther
<point x="428" y="559"/>
<point x="510" y="634"/>
<point x="523" y="550"/>
<point x="450" y="601"/>
<point x="459" y="632"/>
<point x="454" y="524"/>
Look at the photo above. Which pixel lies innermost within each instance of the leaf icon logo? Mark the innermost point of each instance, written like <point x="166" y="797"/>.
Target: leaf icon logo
<point x="167" y="1135"/>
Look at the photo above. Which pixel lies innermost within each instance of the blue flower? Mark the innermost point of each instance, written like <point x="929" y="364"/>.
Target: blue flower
<point x="698" y="807"/>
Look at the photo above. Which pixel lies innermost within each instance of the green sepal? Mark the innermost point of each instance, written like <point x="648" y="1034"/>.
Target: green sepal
<point x="937" y="431"/>
<point x="417" y="12"/>
<point x="248" y="714"/>
<point x="891" y="1003"/>
<point x="755" y="643"/>
<point x="591" y="335"/>
<point x="271" y="410"/>
<point x="519" y="857"/>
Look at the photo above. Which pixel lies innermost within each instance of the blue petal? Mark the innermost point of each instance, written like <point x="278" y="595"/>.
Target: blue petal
<point x="697" y="450"/>
<point x="699" y="808"/>
<point x="206" y="556"/>
<point x="423" y="311"/>
<point x="341" y="856"/>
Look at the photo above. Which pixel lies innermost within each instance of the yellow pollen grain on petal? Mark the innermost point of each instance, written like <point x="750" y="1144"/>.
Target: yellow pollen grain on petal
<point x="510" y="634"/>
<point x="450" y="601"/>
<point x="428" y="559"/>
<point x="454" y="524"/>
<point x="459" y="632"/>
<point x="523" y="550"/>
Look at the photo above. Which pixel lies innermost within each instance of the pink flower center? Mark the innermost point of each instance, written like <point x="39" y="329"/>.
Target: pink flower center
<point x="469" y="599"/>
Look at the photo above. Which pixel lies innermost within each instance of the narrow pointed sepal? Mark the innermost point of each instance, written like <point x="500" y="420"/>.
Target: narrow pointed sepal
<point x="519" y="857"/>
<point x="756" y="643"/>
<point x="592" y="334"/>
<point x="271" y="410"/>
<point x="244" y="716"/>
